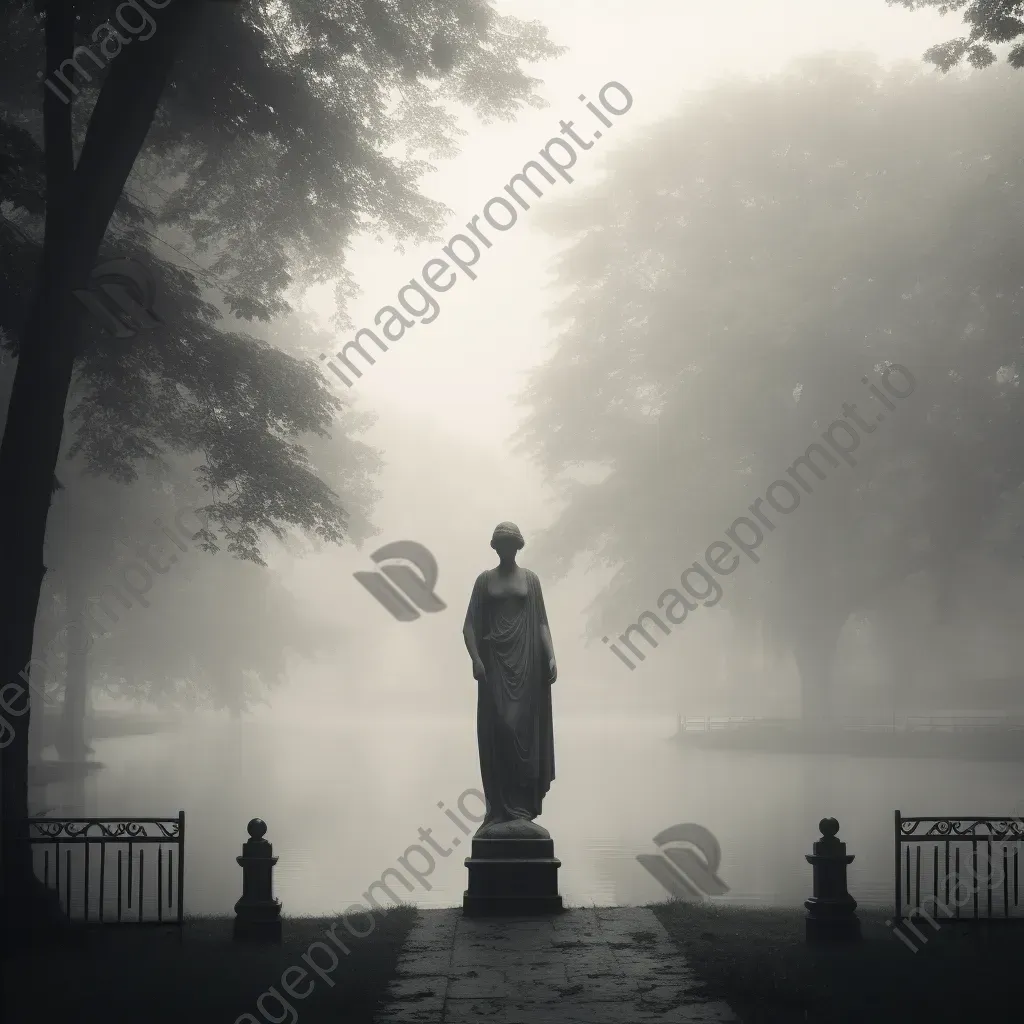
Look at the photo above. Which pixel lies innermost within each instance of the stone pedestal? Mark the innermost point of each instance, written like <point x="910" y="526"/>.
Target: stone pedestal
<point x="830" y="911"/>
<point x="257" y="913"/>
<point x="513" y="872"/>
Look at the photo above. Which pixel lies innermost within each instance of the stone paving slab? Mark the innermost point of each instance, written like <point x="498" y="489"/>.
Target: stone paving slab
<point x="607" y="965"/>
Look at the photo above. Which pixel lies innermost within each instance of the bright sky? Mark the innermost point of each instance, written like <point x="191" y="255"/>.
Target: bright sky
<point x="465" y="366"/>
<point x="444" y="394"/>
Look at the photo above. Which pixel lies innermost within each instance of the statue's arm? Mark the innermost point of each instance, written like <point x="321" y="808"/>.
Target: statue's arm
<point x="545" y="632"/>
<point x="470" y="637"/>
<point x="468" y="631"/>
<point x="545" y="639"/>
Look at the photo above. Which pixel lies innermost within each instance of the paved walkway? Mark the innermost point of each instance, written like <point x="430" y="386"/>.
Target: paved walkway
<point x="607" y="965"/>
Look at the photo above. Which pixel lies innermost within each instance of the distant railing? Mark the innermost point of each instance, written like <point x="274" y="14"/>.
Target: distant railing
<point x="708" y="723"/>
<point x="997" y="840"/>
<point x="86" y="884"/>
<point x="911" y="723"/>
<point x="711" y="723"/>
<point x="962" y="723"/>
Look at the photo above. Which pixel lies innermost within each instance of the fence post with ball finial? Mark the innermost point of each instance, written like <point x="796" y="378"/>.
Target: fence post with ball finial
<point x="257" y="913"/>
<point x="830" y="911"/>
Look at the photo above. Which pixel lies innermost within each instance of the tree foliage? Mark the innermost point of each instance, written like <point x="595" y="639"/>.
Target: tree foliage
<point x="288" y="128"/>
<point x="274" y="160"/>
<point x="724" y="292"/>
<point x="276" y="143"/>
<point x="267" y="133"/>
<point x="991" y="23"/>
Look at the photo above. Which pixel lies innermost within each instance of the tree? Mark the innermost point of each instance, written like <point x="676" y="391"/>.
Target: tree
<point x="161" y="613"/>
<point x="992" y="22"/>
<point x="307" y="113"/>
<point x="725" y="290"/>
<point x="213" y="379"/>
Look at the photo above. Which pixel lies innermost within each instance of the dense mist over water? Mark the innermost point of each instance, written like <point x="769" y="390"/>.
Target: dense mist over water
<point x="794" y="208"/>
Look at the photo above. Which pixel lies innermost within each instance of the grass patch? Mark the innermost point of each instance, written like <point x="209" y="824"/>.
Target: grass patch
<point x="757" y="960"/>
<point x="124" y="975"/>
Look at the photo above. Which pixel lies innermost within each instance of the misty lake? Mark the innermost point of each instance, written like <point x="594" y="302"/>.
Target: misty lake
<point x="343" y="800"/>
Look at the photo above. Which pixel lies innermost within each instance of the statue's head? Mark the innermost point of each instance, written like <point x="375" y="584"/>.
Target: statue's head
<point x="507" y="539"/>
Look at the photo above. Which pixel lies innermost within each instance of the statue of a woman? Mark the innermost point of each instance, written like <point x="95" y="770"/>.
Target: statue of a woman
<point x="507" y="637"/>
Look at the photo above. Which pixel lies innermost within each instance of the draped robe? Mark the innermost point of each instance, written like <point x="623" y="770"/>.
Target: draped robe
<point x="514" y="731"/>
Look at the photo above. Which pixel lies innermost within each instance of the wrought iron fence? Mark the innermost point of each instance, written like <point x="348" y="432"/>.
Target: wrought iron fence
<point x="95" y="888"/>
<point x="964" y="888"/>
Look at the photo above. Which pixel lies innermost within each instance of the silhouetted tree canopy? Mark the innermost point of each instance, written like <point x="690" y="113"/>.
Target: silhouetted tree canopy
<point x="265" y="137"/>
<point x="724" y="292"/>
<point x="287" y="129"/>
<point x="274" y="146"/>
<point x="991" y="23"/>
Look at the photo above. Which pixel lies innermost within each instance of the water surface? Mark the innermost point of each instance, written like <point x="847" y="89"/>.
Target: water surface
<point x="345" y="799"/>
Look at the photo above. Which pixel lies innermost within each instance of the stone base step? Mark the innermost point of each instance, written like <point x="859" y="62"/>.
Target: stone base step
<point x="510" y="906"/>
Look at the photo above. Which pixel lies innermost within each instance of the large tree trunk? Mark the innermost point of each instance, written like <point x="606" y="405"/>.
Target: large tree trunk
<point x="885" y="637"/>
<point x="72" y="744"/>
<point x="72" y="741"/>
<point x="814" y="651"/>
<point x="80" y="203"/>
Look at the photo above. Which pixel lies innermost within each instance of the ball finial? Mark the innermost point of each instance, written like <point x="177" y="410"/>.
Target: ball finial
<point x="257" y="828"/>
<point x="829" y="827"/>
